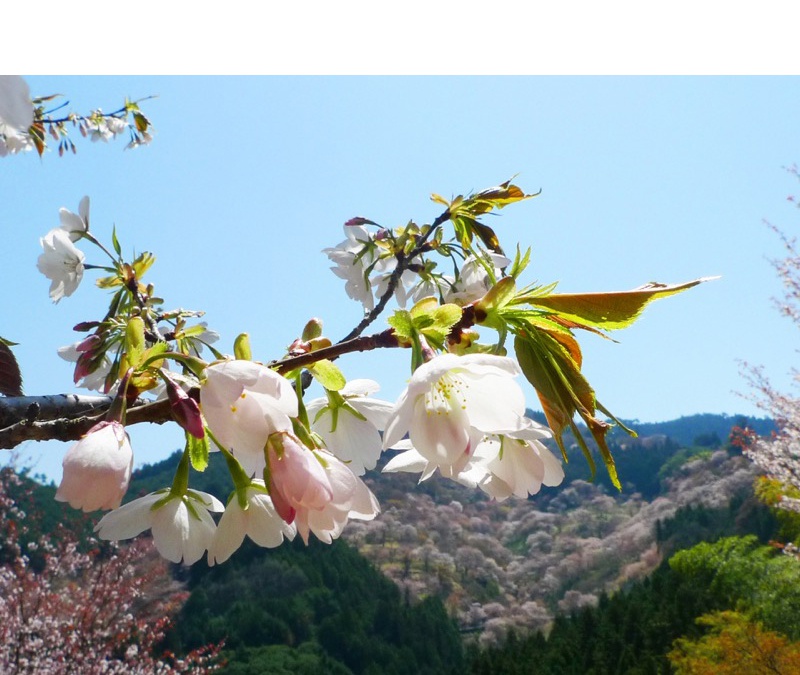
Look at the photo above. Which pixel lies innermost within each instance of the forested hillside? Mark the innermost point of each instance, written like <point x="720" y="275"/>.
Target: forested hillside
<point x="449" y="581"/>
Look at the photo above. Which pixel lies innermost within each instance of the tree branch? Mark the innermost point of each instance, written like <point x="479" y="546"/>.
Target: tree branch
<point x="65" y="417"/>
<point x="385" y="339"/>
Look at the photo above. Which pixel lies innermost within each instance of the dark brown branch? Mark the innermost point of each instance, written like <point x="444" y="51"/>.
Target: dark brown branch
<point x="386" y="339"/>
<point x="65" y="417"/>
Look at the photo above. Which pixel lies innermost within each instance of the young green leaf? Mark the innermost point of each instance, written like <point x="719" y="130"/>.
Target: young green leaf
<point x="551" y="363"/>
<point x="328" y="374"/>
<point x="402" y="323"/>
<point x="198" y="451"/>
<point x="609" y="310"/>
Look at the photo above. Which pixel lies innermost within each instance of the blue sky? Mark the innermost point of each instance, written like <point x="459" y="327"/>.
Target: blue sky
<point x="248" y="178"/>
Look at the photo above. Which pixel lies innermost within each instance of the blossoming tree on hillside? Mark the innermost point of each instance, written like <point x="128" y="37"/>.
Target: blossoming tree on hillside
<point x="779" y="457"/>
<point x="451" y="297"/>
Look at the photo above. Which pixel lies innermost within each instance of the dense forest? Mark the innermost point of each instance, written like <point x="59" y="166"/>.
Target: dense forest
<point x="580" y="580"/>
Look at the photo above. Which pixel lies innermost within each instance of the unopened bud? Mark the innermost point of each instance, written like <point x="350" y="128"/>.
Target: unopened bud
<point x="89" y="343"/>
<point x="313" y="329"/>
<point x="241" y="347"/>
<point x="185" y="409"/>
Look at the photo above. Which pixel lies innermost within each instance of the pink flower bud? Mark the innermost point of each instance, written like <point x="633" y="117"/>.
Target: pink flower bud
<point x="297" y="479"/>
<point x="88" y="344"/>
<point x="97" y="469"/>
<point x="185" y="410"/>
<point x="315" y="490"/>
<point x="83" y="366"/>
<point x="84" y="326"/>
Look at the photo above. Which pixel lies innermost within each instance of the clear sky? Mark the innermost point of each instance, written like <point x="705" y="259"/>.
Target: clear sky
<point x="248" y="178"/>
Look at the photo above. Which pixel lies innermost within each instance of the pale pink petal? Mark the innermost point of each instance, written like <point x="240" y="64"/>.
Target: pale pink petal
<point x="442" y="437"/>
<point x="129" y="520"/>
<point x="229" y="535"/>
<point x="400" y="421"/>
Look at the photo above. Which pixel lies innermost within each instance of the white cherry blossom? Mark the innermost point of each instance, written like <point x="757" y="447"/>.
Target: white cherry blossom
<point x="354" y="440"/>
<point x="452" y="401"/>
<point x="244" y="402"/>
<point x="473" y="279"/>
<point x="75" y="224"/>
<point x="61" y="262"/>
<point x="517" y="463"/>
<point x="97" y="469"/>
<point x="314" y="490"/>
<point x="350" y="498"/>
<point x="16" y="115"/>
<point x="257" y="520"/>
<point x="353" y="257"/>
<point x="182" y="526"/>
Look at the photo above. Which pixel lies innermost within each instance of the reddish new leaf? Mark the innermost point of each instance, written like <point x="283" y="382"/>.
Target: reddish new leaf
<point x="10" y="375"/>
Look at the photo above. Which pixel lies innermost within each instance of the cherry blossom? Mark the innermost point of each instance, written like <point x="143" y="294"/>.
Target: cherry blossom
<point x="97" y="469"/>
<point x="351" y="429"/>
<point x="75" y="224"/>
<point x="380" y="281"/>
<point x="61" y="262"/>
<point x="517" y="463"/>
<point x="16" y="115"/>
<point x="93" y="380"/>
<point x="315" y="490"/>
<point x="473" y="280"/>
<point x="104" y="128"/>
<point x="250" y="514"/>
<point x="244" y="402"/>
<point x="452" y="401"/>
<point x="353" y="258"/>
<point x="182" y="526"/>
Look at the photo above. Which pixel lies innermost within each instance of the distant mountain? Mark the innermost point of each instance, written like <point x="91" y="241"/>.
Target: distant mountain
<point x="693" y="429"/>
<point x="690" y="430"/>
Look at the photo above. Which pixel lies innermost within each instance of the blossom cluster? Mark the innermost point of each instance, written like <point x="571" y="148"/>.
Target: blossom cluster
<point x="366" y="264"/>
<point x="25" y="125"/>
<point x="297" y="466"/>
<point x="465" y="415"/>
